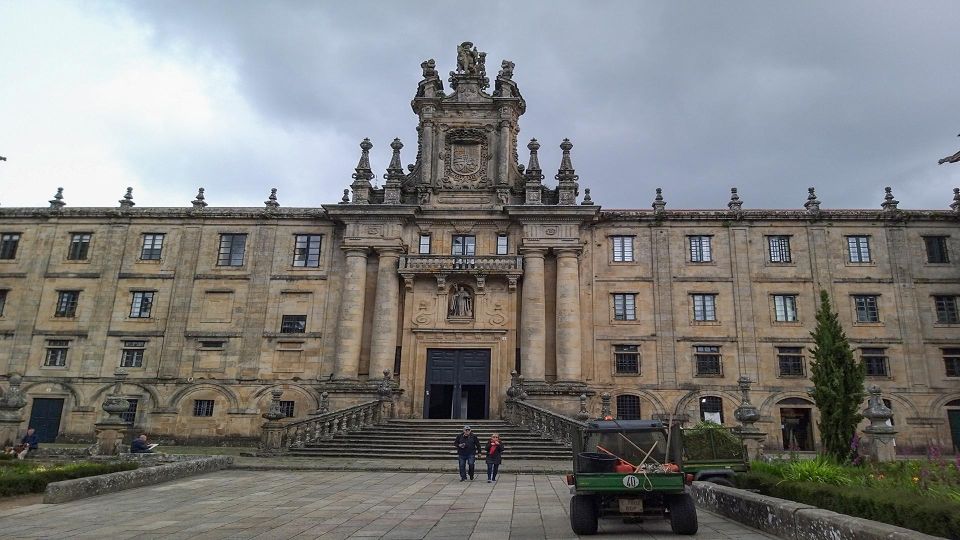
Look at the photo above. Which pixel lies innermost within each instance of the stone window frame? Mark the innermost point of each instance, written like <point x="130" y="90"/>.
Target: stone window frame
<point x="879" y="357"/>
<point x="784" y="251"/>
<point x="703" y="256"/>
<point x="133" y="353"/>
<point x="621" y="402"/>
<point x="226" y="254"/>
<point x="946" y="308"/>
<point x="713" y="400"/>
<point x="858" y="246"/>
<point x="203" y="408"/>
<point x="629" y="311"/>
<point x="503" y="244"/>
<point x="303" y="248"/>
<point x="66" y="308"/>
<point x="151" y="246"/>
<point x="78" y="250"/>
<point x="141" y="307"/>
<point x="943" y="248"/>
<point x="856" y="312"/>
<point x="287" y="323"/>
<point x="713" y="295"/>
<point x="56" y="353"/>
<point x="797" y="352"/>
<point x="9" y="245"/>
<point x="634" y="352"/>
<point x="626" y="244"/>
<point x="774" y="312"/>
<point x="701" y="351"/>
<point x="951" y="361"/>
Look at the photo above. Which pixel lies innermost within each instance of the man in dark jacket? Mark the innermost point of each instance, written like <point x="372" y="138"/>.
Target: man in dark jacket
<point x="140" y="446"/>
<point x="31" y="440"/>
<point x="468" y="446"/>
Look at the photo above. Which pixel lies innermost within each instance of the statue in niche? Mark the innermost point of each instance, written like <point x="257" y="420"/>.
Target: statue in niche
<point x="461" y="303"/>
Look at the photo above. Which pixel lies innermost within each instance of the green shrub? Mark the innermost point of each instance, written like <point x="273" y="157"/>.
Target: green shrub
<point x="32" y="477"/>
<point x="709" y="441"/>
<point x="821" y="470"/>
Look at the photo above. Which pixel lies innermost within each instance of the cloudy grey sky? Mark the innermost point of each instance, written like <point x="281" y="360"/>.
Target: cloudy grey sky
<point x="242" y="96"/>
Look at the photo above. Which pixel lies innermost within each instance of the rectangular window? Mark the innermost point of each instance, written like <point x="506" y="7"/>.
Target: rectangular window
<point x="152" y="247"/>
<point x="130" y="415"/>
<point x="132" y="354"/>
<point x="936" y="249"/>
<point x="209" y="344"/>
<point x="203" y="407"/>
<point x="624" y="307"/>
<point x="424" y="244"/>
<point x="67" y="303"/>
<point x="627" y="359"/>
<point x="286" y="407"/>
<point x="464" y="245"/>
<point x="141" y="304"/>
<point x="57" y="352"/>
<point x="502" y="244"/>
<point x="946" y="309"/>
<point x="867" y="310"/>
<point x="293" y="324"/>
<point x="858" y="248"/>
<point x="951" y="361"/>
<point x="3" y="300"/>
<point x="700" y="251"/>
<point x="707" y="358"/>
<point x="622" y="249"/>
<point x="779" y="249"/>
<point x="8" y="245"/>
<point x="306" y="250"/>
<point x="704" y="307"/>
<point x="79" y="246"/>
<point x="785" y="307"/>
<point x="875" y="362"/>
<point x="628" y="407"/>
<point x="790" y="360"/>
<point x="232" y="249"/>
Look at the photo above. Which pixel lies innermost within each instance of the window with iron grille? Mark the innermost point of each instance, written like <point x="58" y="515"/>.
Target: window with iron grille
<point x="936" y="249"/>
<point x="286" y="407"/>
<point x="424" y="244"/>
<point x="8" y="245"/>
<point x="622" y="248"/>
<point x="502" y="244"/>
<point x="951" y="361"/>
<point x="790" y="360"/>
<point x="56" y="352"/>
<point x="67" y="304"/>
<point x="707" y="358"/>
<point x="779" y="249"/>
<point x="785" y="307"/>
<point x="627" y="359"/>
<point x="293" y="324"/>
<point x="79" y="246"/>
<point x="203" y="407"/>
<point x="875" y="362"/>
<point x="858" y="249"/>
<point x="628" y="407"/>
<point x="700" y="249"/>
<point x="129" y="416"/>
<point x="866" y="307"/>
<point x="232" y="249"/>
<point x="152" y="247"/>
<point x="141" y="304"/>
<point x="624" y="307"/>
<point x="132" y="354"/>
<point x="3" y="300"/>
<point x="946" y="309"/>
<point x="711" y="409"/>
<point x="306" y="250"/>
<point x="704" y="307"/>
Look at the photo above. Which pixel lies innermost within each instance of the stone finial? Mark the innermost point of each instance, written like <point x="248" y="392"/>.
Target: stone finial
<point x="582" y="414"/>
<point x="533" y="171"/>
<point x="394" y="176"/>
<point x="13" y="400"/>
<point x="566" y="176"/>
<point x="361" y="179"/>
<point x="516" y="391"/>
<point x="877" y="412"/>
<point x="735" y="205"/>
<point x="746" y="413"/>
<point x="605" y="411"/>
<point x="586" y="197"/>
<point x="659" y="205"/>
<point x="889" y="204"/>
<point x="200" y="202"/>
<point x="813" y="204"/>
<point x="271" y="201"/>
<point x="385" y="388"/>
<point x="324" y="403"/>
<point x="127" y="200"/>
<point x="955" y="205"/>
<point x="115" y="404"/>
<point x="274" y="413"/>
<point x="56" y="202"/>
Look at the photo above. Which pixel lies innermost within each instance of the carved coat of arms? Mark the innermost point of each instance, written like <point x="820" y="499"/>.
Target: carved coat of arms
<point x="466" y="159"/>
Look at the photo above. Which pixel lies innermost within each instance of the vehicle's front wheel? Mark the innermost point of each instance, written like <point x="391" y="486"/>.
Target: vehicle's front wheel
<point x="583" y="515"/>
<point x="683" y="514"/>
<point x="721" y="481"/>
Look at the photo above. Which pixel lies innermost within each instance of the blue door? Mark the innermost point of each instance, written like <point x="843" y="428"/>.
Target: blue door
<point x="45" y="418"/>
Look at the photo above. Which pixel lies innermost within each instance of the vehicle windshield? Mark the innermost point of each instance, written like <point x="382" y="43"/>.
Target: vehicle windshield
<point x="630" y="447"/>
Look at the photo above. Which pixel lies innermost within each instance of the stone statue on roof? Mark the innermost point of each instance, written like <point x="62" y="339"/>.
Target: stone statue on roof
<point x="469" y="60"/>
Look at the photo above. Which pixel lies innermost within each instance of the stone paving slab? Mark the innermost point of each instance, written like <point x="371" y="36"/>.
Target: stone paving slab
<point x="236" y="504"/>
<point x="540" y="466"/>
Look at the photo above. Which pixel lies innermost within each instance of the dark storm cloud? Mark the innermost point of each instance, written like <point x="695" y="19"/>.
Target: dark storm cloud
<point x="695" y="97"/>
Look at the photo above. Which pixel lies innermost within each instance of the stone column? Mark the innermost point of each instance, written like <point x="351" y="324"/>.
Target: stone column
<point x="350" y="329"/>
<point x="568" y="315"/>
<point x="533" y="334"/>
<point x="384" y="342"/>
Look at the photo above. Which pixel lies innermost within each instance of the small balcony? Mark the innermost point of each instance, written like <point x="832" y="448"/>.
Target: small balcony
<point x="468" y="264"/>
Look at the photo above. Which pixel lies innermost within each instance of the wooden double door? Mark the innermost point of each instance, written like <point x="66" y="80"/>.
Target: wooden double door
<point x="458" y="384"/>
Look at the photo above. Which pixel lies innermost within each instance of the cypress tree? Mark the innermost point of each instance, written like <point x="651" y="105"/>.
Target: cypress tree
<point x="837" y="383"/>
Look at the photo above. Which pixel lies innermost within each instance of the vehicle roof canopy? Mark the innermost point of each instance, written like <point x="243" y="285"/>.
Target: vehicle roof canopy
<point x="621" y="426"/>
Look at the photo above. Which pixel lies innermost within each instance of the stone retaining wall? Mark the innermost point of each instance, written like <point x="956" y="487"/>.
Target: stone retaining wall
<point x="792" y="520"/>
<point x="80" y="488"/>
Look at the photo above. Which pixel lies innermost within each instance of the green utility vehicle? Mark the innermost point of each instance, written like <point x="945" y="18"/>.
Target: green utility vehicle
<point x="629" y="469"/>
<point x="713" y="453"/>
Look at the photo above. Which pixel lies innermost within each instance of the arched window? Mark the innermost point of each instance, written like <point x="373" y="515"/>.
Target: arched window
<point x="711" y="409"/>
<point x="628" y="407"/>
<point x="954" y="403"/>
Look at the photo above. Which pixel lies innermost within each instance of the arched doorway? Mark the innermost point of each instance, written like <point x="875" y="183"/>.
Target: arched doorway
<point x="796" y="424"/>
<point x="953" y="417"/>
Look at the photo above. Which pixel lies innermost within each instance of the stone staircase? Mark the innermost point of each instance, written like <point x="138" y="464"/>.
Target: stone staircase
<point x="432" y="439"/>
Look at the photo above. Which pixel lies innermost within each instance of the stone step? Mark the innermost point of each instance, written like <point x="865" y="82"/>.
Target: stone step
<point x="375" y="446"/>
<point x="407" y="454"/>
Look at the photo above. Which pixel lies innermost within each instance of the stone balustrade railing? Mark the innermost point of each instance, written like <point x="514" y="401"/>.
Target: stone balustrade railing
<point x="488" y="264"/>
<point x="326" y="425"/>
<point x="544" y="422"/>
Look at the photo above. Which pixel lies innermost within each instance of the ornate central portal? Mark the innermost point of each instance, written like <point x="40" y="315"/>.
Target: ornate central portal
<point x="457" y="384"/>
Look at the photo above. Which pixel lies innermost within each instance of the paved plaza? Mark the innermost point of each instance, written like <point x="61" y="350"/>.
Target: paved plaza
<point x="332" y="505"/>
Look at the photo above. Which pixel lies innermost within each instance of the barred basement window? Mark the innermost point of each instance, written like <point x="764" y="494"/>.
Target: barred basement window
<point x="628" y="407"/>
<point x="700" y="249"/>
<point x="936" y="249"/>
<point x="129" y="416"/>
<point x="785" y="307"/>
<point x="711" y="409"/>
<point x="67" y="304"/>
<point x="858" y="248"/>
<point x="8" y="245"/>
<point x="79" y="246"/>
<point x="946" y="309"/>
<point x="232" y="249"/>
<point x="790" y="360"/>
<point x="622" y="248"/>
<point x="132" y="353"/>
<point x="779" y="249"/>
<point x="203" y="407"/>
<point x="152" y="247"/>
<point x="627" y="359"/>
<point x="708" y="362"/>
<point x="875" y="362"/>
<point x="293" y="324"/>
<point x="306" y="250"/>
<point x="624" y="307"/>
<point x="56" y="353"/>
<point x="286" y="407"/>
<point x="951" y="361"/>
<point x="867" y="310"/>
<point x="141" y="304"/>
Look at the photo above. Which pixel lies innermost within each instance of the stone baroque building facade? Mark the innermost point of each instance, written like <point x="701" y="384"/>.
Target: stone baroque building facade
<point x="460" y="269"/>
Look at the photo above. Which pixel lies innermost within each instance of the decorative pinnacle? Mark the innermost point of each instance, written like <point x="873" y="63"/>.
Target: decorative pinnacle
<point x="955" y="205"/>
<point x="659" y="205"/>
<point x="363" y="167"/>
<point x="395" y="169"/>
<point x="127" y="200"/>
<point x="57" y="201"/>
<point x="735" y="204"/>
<point x="533" y="168"/>
<point x="812" y="205"/>
<point x="889" y="203"/>
<point x="586" y="197"/>
<point x="566" y="172"/>
<point x="199" y="202"/>
<point x="271" y="201"/>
